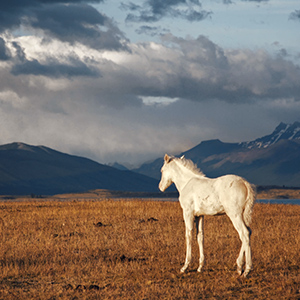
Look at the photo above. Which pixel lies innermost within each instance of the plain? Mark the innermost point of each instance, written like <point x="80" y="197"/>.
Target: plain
<point x="134" y="249"/>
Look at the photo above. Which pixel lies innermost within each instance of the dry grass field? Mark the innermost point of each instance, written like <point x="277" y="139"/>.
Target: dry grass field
<point x="276" y="193"/>
<point x="120" y="249"/>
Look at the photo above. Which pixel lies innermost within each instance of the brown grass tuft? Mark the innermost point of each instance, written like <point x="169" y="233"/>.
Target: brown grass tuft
<point x="134" y="250"/>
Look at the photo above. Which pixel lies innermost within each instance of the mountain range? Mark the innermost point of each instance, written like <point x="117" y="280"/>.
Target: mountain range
<point x="270" y="160"/>
<point x="39" y="170"/>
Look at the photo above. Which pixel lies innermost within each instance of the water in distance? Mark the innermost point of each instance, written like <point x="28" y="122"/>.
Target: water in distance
<point x="279" y="201"/>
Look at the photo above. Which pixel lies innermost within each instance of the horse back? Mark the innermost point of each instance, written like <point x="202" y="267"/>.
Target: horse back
<point x="211" y="196"/>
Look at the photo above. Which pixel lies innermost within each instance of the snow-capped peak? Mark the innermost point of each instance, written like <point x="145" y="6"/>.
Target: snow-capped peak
<point x="282" y="132"/>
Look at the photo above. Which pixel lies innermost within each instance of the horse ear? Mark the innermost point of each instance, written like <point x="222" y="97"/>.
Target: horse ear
<point x="182" y="157"/>
<point x="167" y="158"/>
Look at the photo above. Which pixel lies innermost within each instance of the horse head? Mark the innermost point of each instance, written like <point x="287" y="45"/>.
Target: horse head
<point x="166" y="173"/>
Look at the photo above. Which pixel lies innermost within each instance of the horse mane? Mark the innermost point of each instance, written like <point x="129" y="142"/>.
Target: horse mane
<point x="190" y="165"/>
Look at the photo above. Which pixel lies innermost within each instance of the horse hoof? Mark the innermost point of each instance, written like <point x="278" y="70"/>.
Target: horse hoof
<point x="182" y="270"/>
<point x="240" y="271"/>
<point x="246" y="273"/>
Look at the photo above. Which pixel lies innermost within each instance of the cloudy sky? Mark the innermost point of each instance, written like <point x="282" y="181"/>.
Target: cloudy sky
<point x="130" y="80"/>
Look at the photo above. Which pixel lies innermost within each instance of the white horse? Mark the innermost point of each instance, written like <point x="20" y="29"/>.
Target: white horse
<point x="199" y="196"/>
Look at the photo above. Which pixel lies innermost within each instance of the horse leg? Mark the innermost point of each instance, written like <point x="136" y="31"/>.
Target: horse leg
<point x="188" y="220"/>
<point x="244" y="235"/>
<point x="248" y="256"/>
<point x="200" y="239"/>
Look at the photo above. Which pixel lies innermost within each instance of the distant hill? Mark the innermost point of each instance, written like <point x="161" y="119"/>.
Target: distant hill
<point x="26" y="169"/>
<point x="270" y="160"/>
<point x="118" y="166"/>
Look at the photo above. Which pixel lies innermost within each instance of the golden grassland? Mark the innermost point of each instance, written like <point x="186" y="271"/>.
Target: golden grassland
<point x="121" y="249"/>
<point x="262" y="193"/>
<point x="277" y="193"/>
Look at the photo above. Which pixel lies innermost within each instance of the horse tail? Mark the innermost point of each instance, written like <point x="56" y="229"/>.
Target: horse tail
<point x="251" y="196"/>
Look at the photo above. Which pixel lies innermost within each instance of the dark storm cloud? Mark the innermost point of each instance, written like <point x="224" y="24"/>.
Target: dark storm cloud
<point x="4" y="51"/>
<point x="20" y="54"/>
<point x="151" y="30"/>
<point x="67" y="20"/>
<point x="13" y="11"/>
<point x="77" y="22"/>
<point x="155" y="10"/>
<point x="54" y="69"/>
<point x="295" y="15"/>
